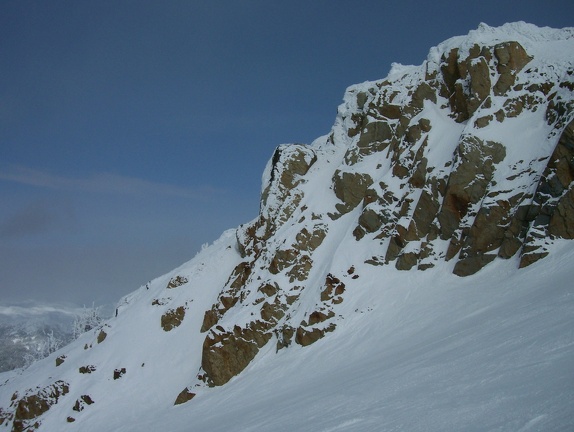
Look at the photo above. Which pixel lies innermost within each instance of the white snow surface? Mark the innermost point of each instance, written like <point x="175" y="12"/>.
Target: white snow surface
<point x="412" y="350"/>
<point x="417" y="351"/>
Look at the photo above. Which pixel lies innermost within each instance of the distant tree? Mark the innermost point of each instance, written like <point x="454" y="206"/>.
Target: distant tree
<point x="90" y="318"/>
<point x="12" y="351"/>
<point x="45" y="347"/>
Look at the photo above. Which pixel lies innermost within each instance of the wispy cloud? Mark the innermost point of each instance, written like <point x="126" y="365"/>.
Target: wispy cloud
<point x="100" y="183"/>
<point x="36" y="310"/>
<point x="37" y="217"/>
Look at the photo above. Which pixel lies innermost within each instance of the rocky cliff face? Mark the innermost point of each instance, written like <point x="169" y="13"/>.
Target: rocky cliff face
<point x="466" y="159"/>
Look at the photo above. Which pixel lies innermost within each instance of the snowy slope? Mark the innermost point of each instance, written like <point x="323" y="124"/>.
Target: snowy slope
<point x="417" y="351"/>
<point x="305" y="318"/>
<point x="421" y="352"/>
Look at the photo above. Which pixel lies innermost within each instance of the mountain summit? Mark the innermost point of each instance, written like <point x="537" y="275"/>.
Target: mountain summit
<point x="411" y="270"/>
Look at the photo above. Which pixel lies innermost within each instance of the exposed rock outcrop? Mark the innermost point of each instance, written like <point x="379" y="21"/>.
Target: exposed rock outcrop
<point x="25" y="410"/>
<point x="87" y="369"/>
<point x="101" y="336"/>
<point x="226" y="353"/>
<point x="185" y="396"/>
<point x="177" y="281"/>
<point x="172" y="318"/>
<point x="118" y="373"/>
<point x="551" y="214"/>
<point x="420" y="194"/>
<point x="82" y="403"/>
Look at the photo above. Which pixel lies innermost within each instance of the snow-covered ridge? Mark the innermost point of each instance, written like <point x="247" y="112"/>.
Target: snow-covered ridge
<point x="528" y="35"/>
<point x="344" y="295"/>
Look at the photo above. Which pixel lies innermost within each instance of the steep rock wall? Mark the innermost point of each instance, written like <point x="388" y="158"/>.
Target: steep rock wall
<point x="466" y="159"/>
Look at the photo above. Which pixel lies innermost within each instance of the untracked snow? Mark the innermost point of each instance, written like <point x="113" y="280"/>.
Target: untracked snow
<point x="418" y="351"/>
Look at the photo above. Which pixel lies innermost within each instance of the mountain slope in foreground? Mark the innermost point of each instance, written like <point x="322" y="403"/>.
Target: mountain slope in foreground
<point x="412" y="270"/>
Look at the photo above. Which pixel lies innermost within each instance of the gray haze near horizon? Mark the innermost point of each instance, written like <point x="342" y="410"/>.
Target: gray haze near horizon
<point x="133" y="132"/>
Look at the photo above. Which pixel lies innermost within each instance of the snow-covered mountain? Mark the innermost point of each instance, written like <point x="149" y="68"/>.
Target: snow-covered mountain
<point x="29" y="332"/>
<point x="411" y="270"/>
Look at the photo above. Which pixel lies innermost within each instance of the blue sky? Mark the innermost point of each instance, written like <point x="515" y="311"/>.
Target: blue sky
<point x="132" y="132"/>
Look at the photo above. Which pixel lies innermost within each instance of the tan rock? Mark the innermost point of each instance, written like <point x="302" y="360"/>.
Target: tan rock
<point x="177" y="281"/>
<point x="172" y="318"/>
<point x="350" y="188"/>
<point x="184" y="396"/>
<point x="512" y="58"/>
<point x="225" y="354"/>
